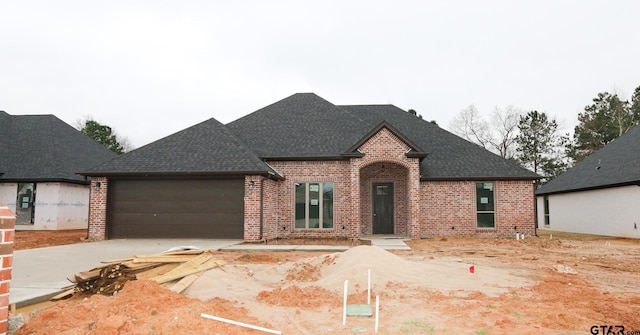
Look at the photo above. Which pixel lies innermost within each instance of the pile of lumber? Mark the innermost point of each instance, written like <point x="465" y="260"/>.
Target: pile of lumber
<point x="175" y="270"/>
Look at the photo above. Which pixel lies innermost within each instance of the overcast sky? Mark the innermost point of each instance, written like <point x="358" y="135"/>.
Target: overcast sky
<point x="151" y="68"/>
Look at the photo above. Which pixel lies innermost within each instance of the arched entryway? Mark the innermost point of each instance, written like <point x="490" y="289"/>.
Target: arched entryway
<point x="384" y="199"/>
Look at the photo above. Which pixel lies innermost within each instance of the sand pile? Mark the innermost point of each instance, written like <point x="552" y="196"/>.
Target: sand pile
<point x="446" y="275"/>
<point x="443" y="275"/>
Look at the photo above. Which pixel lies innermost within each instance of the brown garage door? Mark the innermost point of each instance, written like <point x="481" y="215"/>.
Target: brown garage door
<point x="176" y="208"/>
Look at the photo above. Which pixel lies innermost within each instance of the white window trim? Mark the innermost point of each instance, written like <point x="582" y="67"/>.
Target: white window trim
<point x="495" y="205"/>
<point x="306" y="205"/>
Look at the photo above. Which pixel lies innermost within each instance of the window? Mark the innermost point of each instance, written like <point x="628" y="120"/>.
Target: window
<point x="485" y="205"/>
<point x="314" y="205"/>
<point x="546" y="210"/>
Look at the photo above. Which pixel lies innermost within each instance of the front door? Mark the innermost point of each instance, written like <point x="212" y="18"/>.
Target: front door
<point x="24" y="203"/>
<point x="383" y="208"/>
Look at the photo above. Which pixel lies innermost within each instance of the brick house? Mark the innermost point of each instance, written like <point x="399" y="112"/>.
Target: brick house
<point x="304" y="167"/>
<point x="39" y="158"/>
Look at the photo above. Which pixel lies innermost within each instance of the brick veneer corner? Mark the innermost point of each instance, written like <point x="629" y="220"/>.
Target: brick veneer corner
<point x="98" y="208"/>
<point x="7" y="234"/>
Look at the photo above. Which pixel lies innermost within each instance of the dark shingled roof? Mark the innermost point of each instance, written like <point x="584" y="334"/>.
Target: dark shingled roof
<point x="300" y="126"/>
<point x="305" y="126"/>
<point x="44" y="148"/>
<point x="616" y="164"/>
<point x="206" y="148"/>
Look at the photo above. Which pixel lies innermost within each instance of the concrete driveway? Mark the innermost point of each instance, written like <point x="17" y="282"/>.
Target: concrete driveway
<point x="38" y="274"/>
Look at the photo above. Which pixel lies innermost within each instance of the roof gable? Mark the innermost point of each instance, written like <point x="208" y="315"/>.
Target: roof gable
<point x="45" y="148"/>
<point x="205" y="148"/>
<point x="616" y="164"/>
<point x="414" y="150"/>
<point x="449" y="156"/>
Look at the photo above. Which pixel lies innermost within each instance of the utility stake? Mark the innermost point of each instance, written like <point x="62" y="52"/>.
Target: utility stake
<point x="377" y="311"/>
<point x="369" y="287"/>
<point x="344" y="306"/>
<point x="241" y="324"/>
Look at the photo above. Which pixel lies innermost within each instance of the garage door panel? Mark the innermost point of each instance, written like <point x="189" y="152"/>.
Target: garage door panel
<point x="167" y="208"/>
<point x="171" y="194"/>
<point x="222" y="231"/>
<point x="176" y="189"/>
<point x="174" y="207"/>
<point x="190" y="219"/>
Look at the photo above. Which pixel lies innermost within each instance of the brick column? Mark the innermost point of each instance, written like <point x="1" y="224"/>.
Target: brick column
<point x="415" y="213"/>
<point x="252" y="207"/>
<point x="98" y="208"/>
<point x="7" y="234"/>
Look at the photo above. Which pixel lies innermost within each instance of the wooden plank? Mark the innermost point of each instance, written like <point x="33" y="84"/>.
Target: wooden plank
<point x="121" y="260"/>
<point x="183" y="269"/>
<point x="87" y="275"/>
<point x="175" y="253"/>
<point x="199" y="263"/>
<point x="63" y="295"/>
<point x="185" y="272"/>
<point x="185" y="282"/>
<point x="132" y="267"/>
<point x="163" y="259"/>
<point x="157" y="271"/>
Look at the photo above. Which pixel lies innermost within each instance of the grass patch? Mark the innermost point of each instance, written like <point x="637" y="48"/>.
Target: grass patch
<point x="481" y="331"/>
<point x="518" y="314"/>
<point x="417" y="326"/>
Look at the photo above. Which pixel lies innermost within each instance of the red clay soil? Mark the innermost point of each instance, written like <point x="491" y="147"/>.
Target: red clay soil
<point x="605" y="291"/>
<point x="143" y="308"/>
<point x="30" y="239"/>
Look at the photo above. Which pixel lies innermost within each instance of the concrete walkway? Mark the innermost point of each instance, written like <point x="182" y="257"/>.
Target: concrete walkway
<point x="39" y="274"/>
<point x="389" y="243"/>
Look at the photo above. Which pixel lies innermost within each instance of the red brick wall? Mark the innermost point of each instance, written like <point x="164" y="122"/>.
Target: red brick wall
<point x="98" y="208"/>
<point x="270" y="207"/>
<point x="7" y="234"/>
<point x="338" y="172"/>
<point x="450" y="209"/>
<point x="252" y="210"/>
<point x="515" y="208"/>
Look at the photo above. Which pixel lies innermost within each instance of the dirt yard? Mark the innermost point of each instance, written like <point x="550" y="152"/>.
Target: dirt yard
<point x="27" y="239"/>
<point x="564" y="285"/>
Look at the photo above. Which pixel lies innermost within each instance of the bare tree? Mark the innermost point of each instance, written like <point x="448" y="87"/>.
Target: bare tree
<point x="125" y="142"/>
<point x="469" y="125"/>
<point x="504" y="127"/>
<point x="498" y="136"/>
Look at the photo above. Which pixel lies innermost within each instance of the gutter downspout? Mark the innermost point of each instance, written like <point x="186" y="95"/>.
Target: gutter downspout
<point x="535" y="210"/>
<point x="262" y="207"/>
